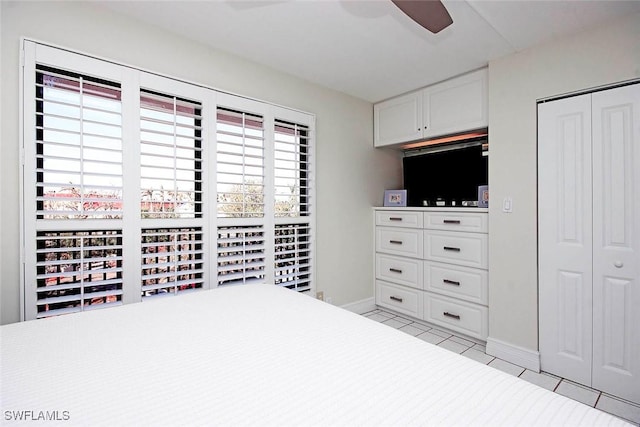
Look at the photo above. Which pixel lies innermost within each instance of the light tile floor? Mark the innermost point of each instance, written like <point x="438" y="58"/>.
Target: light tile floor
<point x="595" y="398"/>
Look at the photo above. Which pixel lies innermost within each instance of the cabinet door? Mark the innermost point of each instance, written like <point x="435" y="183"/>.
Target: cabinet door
<point x="565" y="237"/>
<point x="456" y="105"/>
<point x="398" y="120"/>
<point x="616" y="241"/>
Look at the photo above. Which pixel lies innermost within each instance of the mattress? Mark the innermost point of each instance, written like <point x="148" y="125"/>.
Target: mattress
<point x="255" y="355"/>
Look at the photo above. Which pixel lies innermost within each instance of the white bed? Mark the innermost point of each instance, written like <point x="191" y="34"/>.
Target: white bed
<point x="257" y="355"/>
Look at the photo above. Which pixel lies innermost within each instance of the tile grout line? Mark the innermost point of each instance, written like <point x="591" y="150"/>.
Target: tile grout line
<point x="597" y="399"/>
<point x="599" y="392"/>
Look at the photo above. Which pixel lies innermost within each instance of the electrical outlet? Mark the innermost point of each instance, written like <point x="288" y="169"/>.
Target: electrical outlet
<point x="320" y="295"/>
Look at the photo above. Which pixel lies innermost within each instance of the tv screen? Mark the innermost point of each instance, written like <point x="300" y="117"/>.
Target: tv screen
<point x="449" y="176"/>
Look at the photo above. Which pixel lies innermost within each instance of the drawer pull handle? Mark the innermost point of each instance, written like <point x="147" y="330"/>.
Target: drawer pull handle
<point x="395" y="270"/>
<point x="450" y="248"/>
<point x="451" y="282"/>
<point x="453" y="316"/>
<point x="392" y="298"/>
<point x="451" y="221"/>
<point x="395" y="242"/>
<point x="395" y="218"/>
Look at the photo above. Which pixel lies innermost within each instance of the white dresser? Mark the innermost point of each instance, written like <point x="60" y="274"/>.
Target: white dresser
<point x="431" y="264"/>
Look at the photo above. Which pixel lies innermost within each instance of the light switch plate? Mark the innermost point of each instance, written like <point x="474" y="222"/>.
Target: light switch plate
<point x="507" y="205"/>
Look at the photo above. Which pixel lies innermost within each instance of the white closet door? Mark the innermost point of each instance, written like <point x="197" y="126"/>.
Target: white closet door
<point x="565" y="237"/>
<point x="616" y="241"/>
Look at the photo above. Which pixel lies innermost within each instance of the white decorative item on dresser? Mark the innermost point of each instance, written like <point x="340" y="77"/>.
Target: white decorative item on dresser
<point x="431" y="264"/>
<point x="453" y="106"/>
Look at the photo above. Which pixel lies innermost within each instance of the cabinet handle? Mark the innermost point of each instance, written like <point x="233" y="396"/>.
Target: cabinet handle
<point x="395" y="270"/>
<point x="451" y="221"/>
<point x="451" y="282"/>
<point x="392" y="298"/>
<point x="395" y="242"/>
<point x="395" y="218"/>
<point x="453" y="316"/>
<point x="452" y="249"/>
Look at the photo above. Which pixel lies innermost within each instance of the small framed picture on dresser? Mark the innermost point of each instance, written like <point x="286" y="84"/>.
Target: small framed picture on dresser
<point x="395" y="198"/>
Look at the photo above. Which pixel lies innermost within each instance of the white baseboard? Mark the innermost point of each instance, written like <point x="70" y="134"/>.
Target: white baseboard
<point x="362" y="306"/>
<point x="515" y="354"/>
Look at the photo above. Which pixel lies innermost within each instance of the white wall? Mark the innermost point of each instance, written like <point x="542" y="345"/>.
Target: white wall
<point x="351" y="175"/>
<point x="600" y="56"/>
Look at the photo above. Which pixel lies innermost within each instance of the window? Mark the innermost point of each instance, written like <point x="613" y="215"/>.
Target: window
<point x="293" y="256"/>
<point x="77" y="179"/>
<point x="170" y="157"/>
<point x="78" y="270"/>
<point x="241" y="254"/>
<point x="78" y="146"/>
<point x="292" y="183"/>
<point x="240" y="164"/>
<point x="172" y="261"/>
<point x="291" y="170"/>
<point x="138" y="186"/>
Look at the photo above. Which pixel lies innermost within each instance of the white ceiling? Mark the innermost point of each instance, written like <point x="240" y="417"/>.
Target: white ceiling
<point x="369" y="48"/>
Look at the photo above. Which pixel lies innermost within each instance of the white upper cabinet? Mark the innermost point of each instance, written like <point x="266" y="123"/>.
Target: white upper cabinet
<point x="456" y="105"/>
<point x="453" y="106"/>
<point x="398" y="119"/>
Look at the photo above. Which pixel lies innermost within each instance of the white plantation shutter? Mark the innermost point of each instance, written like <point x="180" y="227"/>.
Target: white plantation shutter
<point x="136" y="186"/>
<point x="77" y="271"/>
<point x="78" y="146"/>
<point x="293" y="257"/>
<point x="173" y="222"/>
<point x="240" y="164"/>
<point x="293" y="203"/>
<point x="170" y="157"/>
<point x="172" y="261"/>
<point x="291" y="169"/>
<point x="241" y="254"/>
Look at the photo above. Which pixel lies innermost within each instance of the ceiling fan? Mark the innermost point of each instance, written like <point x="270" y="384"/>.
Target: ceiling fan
<point x="431" y="14"/>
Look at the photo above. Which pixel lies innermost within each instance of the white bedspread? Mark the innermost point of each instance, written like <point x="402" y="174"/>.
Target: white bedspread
<point x="256" y="355"/>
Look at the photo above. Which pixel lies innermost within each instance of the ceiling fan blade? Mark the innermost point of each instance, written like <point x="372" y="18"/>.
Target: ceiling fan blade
<point x="431" y="14"/>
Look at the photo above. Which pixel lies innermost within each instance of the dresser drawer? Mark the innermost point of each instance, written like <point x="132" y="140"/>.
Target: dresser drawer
<point x="468" y="249"/>
<point x="477" y="222"/>
<point x="404" y="300"/>
<point x="399" y="241"/>
<point x="470" y="284"/>
<point x="399" y="219"/>
<point x="464" y="317"/>
<point x="405" y="271"/>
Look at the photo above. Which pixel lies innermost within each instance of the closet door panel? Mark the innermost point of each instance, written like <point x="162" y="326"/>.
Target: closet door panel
<point x="565" y="237"/>
<point x="616" y="245"/>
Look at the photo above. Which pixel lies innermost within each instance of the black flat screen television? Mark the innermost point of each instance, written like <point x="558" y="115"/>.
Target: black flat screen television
<point x="447" y="176"/>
